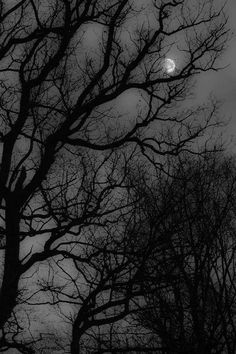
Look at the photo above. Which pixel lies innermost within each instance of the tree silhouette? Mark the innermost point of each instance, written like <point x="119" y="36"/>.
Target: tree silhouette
<point x="190" y="279"/>
<point x="66" y="145"/>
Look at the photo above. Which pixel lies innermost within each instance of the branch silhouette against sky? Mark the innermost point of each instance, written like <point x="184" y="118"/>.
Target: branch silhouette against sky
<point x="85" y="94"/>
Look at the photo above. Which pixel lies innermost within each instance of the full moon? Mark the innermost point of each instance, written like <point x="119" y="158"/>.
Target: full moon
<point x="169" y="65"/>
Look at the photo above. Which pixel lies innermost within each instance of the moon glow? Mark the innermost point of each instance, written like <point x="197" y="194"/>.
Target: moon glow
<point x="169" y="65"/>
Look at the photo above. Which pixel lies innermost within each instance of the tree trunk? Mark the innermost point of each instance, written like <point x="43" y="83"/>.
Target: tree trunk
<point x="78" y="330"/>
<point x="9" y="289"/>
<point x="75" y="344"/>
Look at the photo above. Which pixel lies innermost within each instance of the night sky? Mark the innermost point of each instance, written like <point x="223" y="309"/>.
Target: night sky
<point x="223" y="83"/>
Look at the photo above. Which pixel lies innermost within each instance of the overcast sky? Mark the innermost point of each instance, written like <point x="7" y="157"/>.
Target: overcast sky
<point x="223" y="83"/>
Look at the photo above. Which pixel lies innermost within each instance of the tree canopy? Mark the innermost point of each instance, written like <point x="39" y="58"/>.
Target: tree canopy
<point x="84" y="94"/>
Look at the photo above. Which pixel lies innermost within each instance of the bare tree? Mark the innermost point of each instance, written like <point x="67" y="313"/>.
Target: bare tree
<point x="62" y="138"/>
<point x="190" y="278"/>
